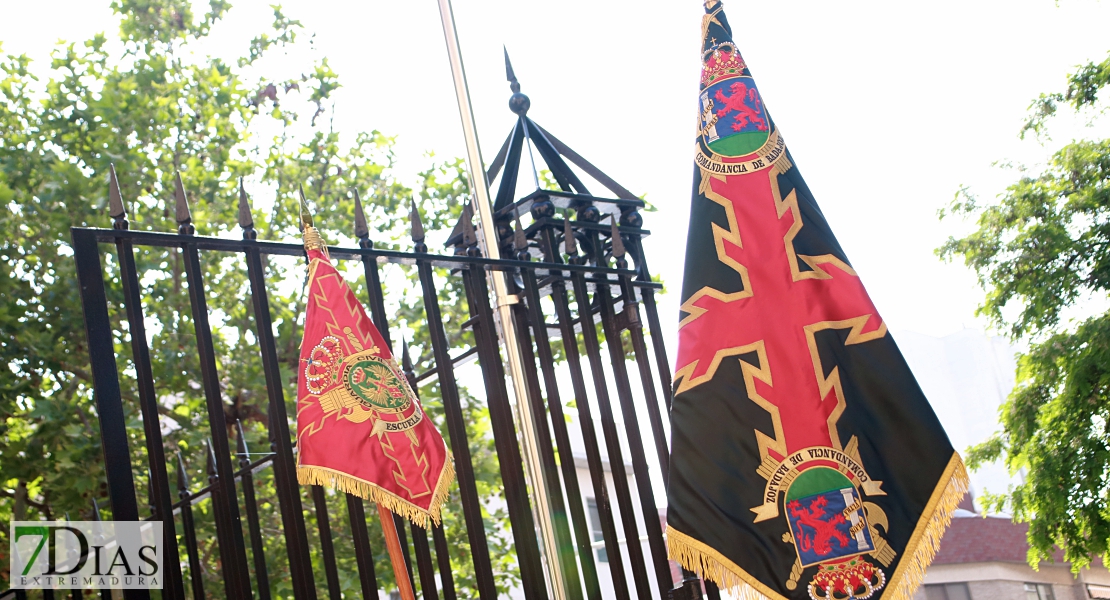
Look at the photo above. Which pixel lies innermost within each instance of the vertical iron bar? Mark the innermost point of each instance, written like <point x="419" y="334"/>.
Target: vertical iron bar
<point x="443" y="560"/>
<point x="648" y="295"/>
<point x="564" y="541"/>
<point x="504" y="437"/>
<point x="456" y="427"/>
<point x="664" y="365"/>
<point x="612" y="440"/>
<point x="162" y="504"/>
<point x="188" y="528"/>
<point x="364" y="555"/>
<point x="285" y="478"/>
<point x="562" y="437"/>
<point x="109" y="404"/>
<point x="639" y="350"/>
<point x="251" y="506"/>
<point x="424" y="563"/>
<point x="105" y="594"/>
<point x="589" y="437"/>
<point x="399" y="524"/>
<point x="229" y="528"/>
<point x="378" y="316"/>
<point x="376" y="298"/>
<point x="419" y="535"/>
<point x="635" y="441"/>
<point x="327" y="548"/>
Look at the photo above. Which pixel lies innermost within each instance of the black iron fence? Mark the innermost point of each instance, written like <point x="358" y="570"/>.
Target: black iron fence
<point x="582" y="299"/>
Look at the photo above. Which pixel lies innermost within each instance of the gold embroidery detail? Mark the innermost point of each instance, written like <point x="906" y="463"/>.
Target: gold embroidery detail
<point x="710" y="564"/>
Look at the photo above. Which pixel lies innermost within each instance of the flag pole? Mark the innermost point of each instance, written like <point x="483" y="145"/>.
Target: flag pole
<point x="396" y="557"/>
<point x="488" y="242"/>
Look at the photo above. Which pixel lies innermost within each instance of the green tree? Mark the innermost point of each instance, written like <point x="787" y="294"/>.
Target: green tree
<point x="154" y="104"/>
<point x="1042" y="254"/>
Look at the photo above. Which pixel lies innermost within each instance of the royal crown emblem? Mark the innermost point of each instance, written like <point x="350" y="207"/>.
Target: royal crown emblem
<point x="722" y="61"/>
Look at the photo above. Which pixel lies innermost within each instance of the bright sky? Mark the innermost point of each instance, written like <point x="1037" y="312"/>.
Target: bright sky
<point x="887" y="107"/>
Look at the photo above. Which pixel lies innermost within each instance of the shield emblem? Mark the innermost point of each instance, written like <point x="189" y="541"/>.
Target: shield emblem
<point x="734" y="122"/>
<point x="375" y="385"/>
<point x="826" y="517"/>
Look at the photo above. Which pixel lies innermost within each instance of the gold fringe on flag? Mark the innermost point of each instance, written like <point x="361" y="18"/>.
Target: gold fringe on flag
<point x="713" y="566"/>
<point x="323" y="476"/>
<point x="930" y="529"/>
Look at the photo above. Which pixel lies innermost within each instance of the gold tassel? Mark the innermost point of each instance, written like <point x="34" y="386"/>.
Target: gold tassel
<point x="711" y="565"/>
<point x="322" y="476"/>
<point x="925" y="541"/>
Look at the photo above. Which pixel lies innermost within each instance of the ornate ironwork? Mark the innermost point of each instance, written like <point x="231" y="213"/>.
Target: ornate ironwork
<point x="581" y="288"/>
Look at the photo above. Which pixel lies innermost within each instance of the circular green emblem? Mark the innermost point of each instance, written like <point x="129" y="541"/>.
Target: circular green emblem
<point x="376" y="386"/>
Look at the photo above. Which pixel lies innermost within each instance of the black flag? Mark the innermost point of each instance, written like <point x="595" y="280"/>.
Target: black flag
<point x="806" y="463"/>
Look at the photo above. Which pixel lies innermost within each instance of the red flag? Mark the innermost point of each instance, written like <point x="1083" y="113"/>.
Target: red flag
<point x="360" y="427"/>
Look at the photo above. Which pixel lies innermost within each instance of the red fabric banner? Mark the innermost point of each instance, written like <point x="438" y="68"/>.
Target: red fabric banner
<point x="360" y="427"/>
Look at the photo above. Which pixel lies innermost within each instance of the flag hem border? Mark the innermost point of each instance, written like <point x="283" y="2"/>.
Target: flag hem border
<point x="710" y="564"/>
<point x="368" y="490"/>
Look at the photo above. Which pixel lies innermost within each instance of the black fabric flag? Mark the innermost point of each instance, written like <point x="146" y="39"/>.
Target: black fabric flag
<point x="805" y="463"/>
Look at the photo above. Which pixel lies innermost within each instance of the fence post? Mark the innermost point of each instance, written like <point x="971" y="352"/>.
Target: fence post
<point x="456" y="425"/>
<point x="229" y="529"/>
<point x="285" y="477"/>
<point x="109" y="404"/>
<point x="161" y="504"/>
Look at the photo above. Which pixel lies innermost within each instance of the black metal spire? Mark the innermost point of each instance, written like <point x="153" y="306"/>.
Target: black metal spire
<point x="210" y="462"/>
<point x="241" y="445"/>
<point x="618" y="244"/>
<point x="406" y="363"/>
<point x="470" y="236"/>
<point x="116" y="209"/>
<point x="417" y="228"/>
<point x="570" y="245"/>
<point x="246" y="220"/>
<point x="362" y="231"/>
<point x="518" y="102"/>
<point x="181" y="207"/>
<point x="182" y="478"/>
<point x="520" y="242"/>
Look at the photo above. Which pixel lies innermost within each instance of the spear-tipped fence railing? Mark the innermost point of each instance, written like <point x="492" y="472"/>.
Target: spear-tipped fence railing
<point x="579" y="285"/>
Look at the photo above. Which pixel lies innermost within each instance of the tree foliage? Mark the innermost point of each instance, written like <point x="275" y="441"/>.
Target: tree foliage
<point x="1042" y="254"/>
<point x="152" y="103"/>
